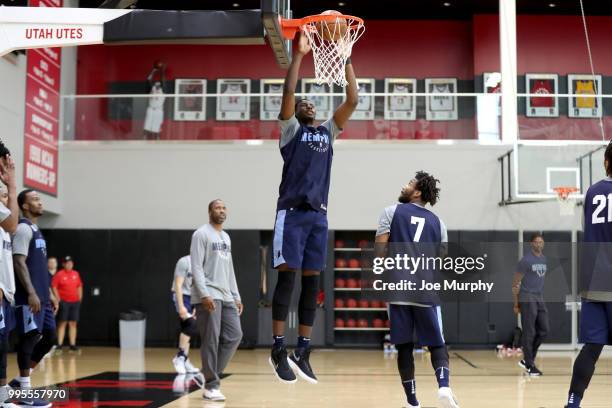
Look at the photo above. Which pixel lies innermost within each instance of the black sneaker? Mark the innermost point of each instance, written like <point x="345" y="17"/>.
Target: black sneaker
<point x="533" y="371"/>
<point x="299" y="360"/>
<point x="523" y="365"/>
<point x="278" y="361"/>
<point x="74" y="348"/>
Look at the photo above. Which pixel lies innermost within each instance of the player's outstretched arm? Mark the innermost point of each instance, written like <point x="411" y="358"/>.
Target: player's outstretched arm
<point x="346" y="109"/>
<point x="7" y="176"/>
<point x="288" y="104"/>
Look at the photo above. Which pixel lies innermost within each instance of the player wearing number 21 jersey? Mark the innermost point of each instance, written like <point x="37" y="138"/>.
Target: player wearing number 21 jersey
<point x="595" y="282"/>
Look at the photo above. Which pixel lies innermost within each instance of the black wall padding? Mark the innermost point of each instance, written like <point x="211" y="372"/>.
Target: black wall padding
<point x="133" y="269"/>
<point x="186" y="27"/>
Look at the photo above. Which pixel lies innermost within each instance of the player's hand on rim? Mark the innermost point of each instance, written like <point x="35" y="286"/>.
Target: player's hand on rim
<point x="208" y="304"/>
<point x="303" y="44"/>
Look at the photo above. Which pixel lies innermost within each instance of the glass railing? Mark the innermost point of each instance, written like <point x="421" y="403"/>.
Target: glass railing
<point x="378" y="116"/>
<point x="564" y="117"/>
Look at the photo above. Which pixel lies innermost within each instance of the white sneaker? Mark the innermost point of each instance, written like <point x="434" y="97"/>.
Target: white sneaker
<point x="190" y="368"/>
<point x="197" y="379"/>
<point x="178" y="385"/>
<point x="413" y="406"/>
<point x="179" y="364"/>
<point x="214" y="395"/>
<point x="447" y="398"/>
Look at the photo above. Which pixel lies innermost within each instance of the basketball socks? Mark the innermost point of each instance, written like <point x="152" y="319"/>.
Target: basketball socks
<point x="573" y="401"/>
<point x="443" y="376"/>
<point x="303" y="342"/>
<point x="584" y="367"/>
<point x="410" y="390"/>
<point x="4" y="393"/>
<point x="24" y="382"/>
<point x="279" y="341"/>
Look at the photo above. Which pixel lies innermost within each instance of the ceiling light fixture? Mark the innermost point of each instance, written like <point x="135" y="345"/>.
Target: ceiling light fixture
<point x="446" y="4"/>
<point x="235" y="5"/>
<point x="551" y="5"/>
<point x="342" y="4"/>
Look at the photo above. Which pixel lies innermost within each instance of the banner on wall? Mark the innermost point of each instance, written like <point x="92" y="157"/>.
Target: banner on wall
<point x="42" y="106"/>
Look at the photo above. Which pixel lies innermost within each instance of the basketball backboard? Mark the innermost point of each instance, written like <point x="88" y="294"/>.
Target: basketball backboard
<point x="271" y="12"/>
<point x="533" y="169"/>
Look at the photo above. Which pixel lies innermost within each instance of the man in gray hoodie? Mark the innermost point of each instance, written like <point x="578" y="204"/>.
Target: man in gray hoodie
<point x="215" y="294"/>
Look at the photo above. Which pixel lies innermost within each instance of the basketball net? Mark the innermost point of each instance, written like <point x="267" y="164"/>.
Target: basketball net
<point x="567" y="203"/>
<point x="331" y="46"/>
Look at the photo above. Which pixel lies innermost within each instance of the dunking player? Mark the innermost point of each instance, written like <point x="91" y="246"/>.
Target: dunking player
<point x="409" y="221"/>
<point x="596" y="316"/>
<point x="34" y="309"/>
<point x="9" y="215"/>
<point x="181" y="295"/>
<point x="300" y="231"/>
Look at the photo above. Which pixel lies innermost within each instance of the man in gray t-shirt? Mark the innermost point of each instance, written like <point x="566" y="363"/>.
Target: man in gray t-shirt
<point x="216" y="298"/>
<point x="181" y="296"/>
<point x="527" y="288"/>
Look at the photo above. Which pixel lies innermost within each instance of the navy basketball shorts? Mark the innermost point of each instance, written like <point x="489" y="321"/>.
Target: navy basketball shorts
<point x="596" y="322"/>
<point x="7" y="318"/>
<point x="426" y="321"/>
<point x="300" y="239"/>
<point x="28" y="321"/>
<point x="186" y="303"/>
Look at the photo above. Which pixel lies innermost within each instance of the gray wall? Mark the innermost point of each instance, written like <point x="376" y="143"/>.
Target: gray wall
<point x="167" y="185"/>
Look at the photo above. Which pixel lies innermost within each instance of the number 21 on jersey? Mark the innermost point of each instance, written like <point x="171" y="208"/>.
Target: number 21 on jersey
<point x="600" y="201"/>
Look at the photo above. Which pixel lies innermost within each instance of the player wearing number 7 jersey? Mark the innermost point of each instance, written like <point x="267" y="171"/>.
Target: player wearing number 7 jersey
<point x="406" y="222"/>
<point x="595" y="282"/>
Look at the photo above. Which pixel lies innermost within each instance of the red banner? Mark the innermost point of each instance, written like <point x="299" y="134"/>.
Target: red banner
<point x="40" y="165"/>
<point x="42" y="114"/>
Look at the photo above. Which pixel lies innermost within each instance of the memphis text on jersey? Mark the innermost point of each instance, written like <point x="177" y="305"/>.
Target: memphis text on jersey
<point x="317" y="141"/>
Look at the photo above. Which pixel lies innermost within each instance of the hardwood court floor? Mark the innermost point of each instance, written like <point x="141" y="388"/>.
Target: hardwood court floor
<point x="352" y="378"/>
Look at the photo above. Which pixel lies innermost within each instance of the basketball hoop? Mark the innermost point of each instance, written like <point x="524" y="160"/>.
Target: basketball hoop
<point x="566" y="201"/>
<point x="331" y="36"/>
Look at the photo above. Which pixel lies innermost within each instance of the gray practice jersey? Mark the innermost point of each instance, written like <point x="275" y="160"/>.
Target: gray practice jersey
<point x="183" y="269"/>
<point x="7" y="276"/>
<point x="21" y="239"/>
<point x="212" y="266"/>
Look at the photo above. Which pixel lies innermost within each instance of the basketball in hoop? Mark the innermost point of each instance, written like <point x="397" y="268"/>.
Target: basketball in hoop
<point x="331" y="35"/>
<point x="566" y="201"/>
<point x="332" y="30"/>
